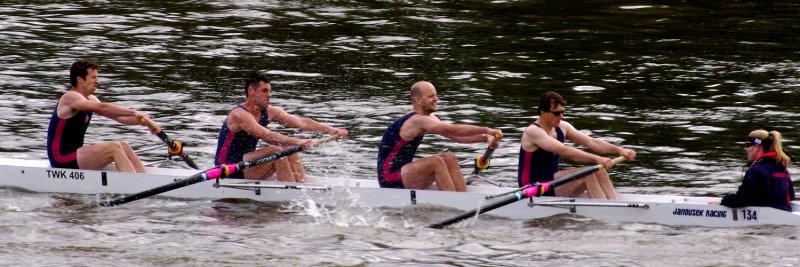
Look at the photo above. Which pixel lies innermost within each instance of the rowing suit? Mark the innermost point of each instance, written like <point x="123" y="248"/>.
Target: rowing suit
<point x="538" y="166"/>
<point x="231" y="147"/>
<point x="394" y="153"/>
<point x="64" y="137"/>
<point x="766" y="183"/>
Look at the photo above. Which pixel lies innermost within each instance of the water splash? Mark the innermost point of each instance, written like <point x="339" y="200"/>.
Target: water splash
<point x="346" y="211"/>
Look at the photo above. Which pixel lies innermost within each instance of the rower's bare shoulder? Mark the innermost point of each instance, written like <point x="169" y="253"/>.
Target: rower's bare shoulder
<point x="534" y="131"/>
<point x="71" y="96"/>
<point x="566" y="127"/>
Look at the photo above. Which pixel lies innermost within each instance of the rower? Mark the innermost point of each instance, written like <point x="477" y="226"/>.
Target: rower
<point x="246" y="124"/>
<point x="396" y="165"/>
<point x="542" y="147"/>
<point x="71" y="117"/>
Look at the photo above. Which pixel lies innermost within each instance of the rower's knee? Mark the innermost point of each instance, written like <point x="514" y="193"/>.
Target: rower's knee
<point x="118" y="146"/>
<point x="448" y="156"/>
<point x="440" y="162"/>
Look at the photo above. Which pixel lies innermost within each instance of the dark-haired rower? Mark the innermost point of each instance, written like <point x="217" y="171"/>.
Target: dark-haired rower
<point x="247" y="123"/>
<point x="543" y="146"/>
<point x="71" y="118"/>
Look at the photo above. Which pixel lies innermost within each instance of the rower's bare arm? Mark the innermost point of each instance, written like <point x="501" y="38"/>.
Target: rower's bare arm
<point x="595" y="144"/>
<point x="540" y="139"/>
<point x="77" y="102"/>
<point x="462" y="133"/>
<point x="241" y="120"/>
<point x="303" y="123"/>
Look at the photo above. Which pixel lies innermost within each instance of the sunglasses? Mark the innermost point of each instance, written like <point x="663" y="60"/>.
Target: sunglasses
<point x="557" y="113"/>
<point x="749" y="144"/>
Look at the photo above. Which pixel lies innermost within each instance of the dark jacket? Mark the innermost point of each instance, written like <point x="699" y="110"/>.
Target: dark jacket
<point x="766" y="183"/>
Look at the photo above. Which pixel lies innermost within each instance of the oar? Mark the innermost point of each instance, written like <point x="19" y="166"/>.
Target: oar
<point x="482" y="161"/>
<point x="223" y="170"/>
<point x="174" y="147"/>
<point x="529" y="191"/>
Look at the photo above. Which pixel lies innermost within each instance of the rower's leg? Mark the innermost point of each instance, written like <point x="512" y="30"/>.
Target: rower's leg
<point x="421" y="173"/>
<point x="298" y="171"/>
<point x="266" y="170"/>
<point x="571" y="189"/>
<point x="593" y="187"/>
<point x="283" y="170"/>
<point x="456" y="176"/>
<point x="98" y="156"/>
<point x="605" y="183"/>
<point x="132" y="158"/>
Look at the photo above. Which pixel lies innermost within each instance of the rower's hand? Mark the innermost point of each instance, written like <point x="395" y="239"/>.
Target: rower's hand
<point x="606" y="162"/>
<point x="628" y="154"/>
<point x="306" y="143"/>
<point x="713" y="203"/>
<point x="496" y="134"/>
<point x="145" y="120"/>
<point x="154" y="127"/>
<point x="342" y="133"/>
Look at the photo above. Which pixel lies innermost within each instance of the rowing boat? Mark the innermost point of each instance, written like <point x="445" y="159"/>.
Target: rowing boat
<point x="38" y="176"/>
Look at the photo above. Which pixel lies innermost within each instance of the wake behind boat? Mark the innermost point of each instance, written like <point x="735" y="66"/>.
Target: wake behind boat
<point x="38" y="176"/>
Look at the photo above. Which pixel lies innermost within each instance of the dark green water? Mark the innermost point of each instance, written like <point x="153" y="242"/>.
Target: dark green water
<point x="681" y="83"/>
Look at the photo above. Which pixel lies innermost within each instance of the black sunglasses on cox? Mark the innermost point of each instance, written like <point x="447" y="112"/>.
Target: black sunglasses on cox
<point x="557" y="113"/>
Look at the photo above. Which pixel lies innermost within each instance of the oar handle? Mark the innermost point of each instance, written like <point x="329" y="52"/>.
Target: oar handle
<point x="273" y="156"/>
<point x="619" y="160"/>
<point x="149" y="123"/>
<point x="326" y="139"/>
<point x="495" y="141"/>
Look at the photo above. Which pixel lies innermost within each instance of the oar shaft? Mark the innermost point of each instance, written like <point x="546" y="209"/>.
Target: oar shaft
<point x="210" y="174"/>
<point x="174" y="146"/>
<point x="482" y="162"/>
<point x="155" y="191"/>
<point x="486" y="208"/>
<point x="519" y="194"/>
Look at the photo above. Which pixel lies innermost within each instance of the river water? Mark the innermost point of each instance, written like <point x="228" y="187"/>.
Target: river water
<point x="681" y="83"/>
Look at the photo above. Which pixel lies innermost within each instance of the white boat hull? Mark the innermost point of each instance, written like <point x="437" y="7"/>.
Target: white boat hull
<point x="37" y="176"/>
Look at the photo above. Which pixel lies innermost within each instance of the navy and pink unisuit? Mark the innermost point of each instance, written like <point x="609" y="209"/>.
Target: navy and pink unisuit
<point x="394" y="152"/>
<point x="231" y="147"/>
<point x="64" y="137"/>
<point x="538" y="166"/>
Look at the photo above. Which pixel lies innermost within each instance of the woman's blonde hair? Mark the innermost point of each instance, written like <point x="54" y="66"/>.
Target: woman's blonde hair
<point x="771" y="141"/>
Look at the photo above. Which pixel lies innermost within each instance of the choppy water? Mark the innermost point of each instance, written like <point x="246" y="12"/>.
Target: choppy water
<point x="682" y="83"/>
